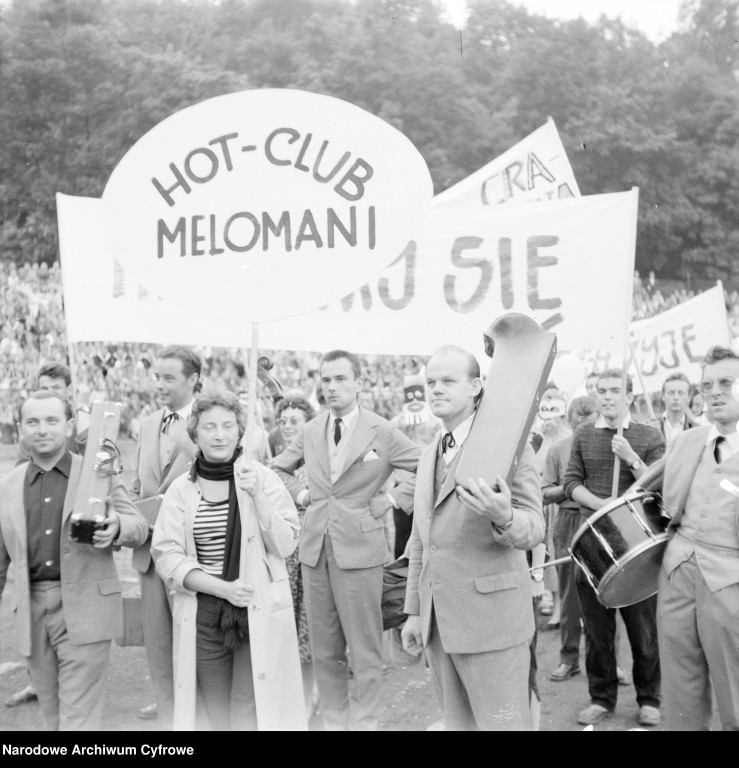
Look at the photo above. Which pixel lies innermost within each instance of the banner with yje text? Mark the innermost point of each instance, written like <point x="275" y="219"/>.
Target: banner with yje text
<point x="566" y="263"/>
<point x="675" y="341"/>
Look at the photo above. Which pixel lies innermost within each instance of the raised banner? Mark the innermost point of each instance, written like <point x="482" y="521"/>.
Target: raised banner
<point x="264" y="204"/>
<point x="566" y="263"/>
<point x="537" y="168"/>
<point x="675" y="341"/>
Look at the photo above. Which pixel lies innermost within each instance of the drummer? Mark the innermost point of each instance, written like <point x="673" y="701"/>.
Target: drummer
<point x="588" y="481"/>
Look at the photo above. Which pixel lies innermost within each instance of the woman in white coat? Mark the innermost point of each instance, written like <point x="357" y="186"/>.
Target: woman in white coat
<point x="220" y="542"/>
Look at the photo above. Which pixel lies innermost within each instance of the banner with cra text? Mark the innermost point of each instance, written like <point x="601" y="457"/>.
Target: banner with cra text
<point x="536" y="168"/>
<point x="566" y="263"/>
<point x="675" y="341"/>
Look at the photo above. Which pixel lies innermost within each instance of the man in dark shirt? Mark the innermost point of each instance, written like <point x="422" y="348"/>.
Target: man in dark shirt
<point x="588" y="481"/>
<point x="55" y="377"/>
<point x="68" y="594"/>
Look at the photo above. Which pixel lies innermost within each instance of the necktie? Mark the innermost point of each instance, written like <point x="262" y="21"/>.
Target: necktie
<point x="337" y="431"/>
<point x="717" y="448"/>
<point x="167" y="421"/>
<point x="447" y="442"/>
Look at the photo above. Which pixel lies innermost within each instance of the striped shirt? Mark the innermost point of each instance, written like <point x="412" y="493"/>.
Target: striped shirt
<point x="209" y="531"/>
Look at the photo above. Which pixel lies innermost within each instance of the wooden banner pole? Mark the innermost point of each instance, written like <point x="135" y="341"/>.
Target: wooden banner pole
<point x="627" y="321"/>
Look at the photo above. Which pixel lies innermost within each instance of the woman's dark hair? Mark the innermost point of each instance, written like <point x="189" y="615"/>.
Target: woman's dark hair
<point x="213" y="399"/>
<point x="296" y="402"/>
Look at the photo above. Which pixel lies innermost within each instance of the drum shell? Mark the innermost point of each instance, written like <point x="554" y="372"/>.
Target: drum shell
<point x="624" y="569"/>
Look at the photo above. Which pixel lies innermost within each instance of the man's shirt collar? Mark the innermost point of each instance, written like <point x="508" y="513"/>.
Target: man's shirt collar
<point x="64" y="465"/>
<point x="183" y="413"/>
<point x="732" y="438"/>
<point x="601" y="423"/>
<point x="347" y="420"/>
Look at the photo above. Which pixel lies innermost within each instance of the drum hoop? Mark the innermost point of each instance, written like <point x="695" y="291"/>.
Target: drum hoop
<point x="621" y="501"/>
<point x="611" y="572"/>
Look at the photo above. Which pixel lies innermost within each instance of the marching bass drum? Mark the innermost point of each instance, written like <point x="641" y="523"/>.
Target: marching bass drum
<point x="619" y="548"/>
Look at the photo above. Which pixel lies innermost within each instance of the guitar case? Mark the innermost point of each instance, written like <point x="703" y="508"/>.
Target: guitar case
<point x="101" y="460"/>
<point x="522" y="355"/>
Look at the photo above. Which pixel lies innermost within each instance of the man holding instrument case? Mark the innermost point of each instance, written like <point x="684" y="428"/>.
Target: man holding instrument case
<point x="67" y="594"/>
<point x="588" y="481"/>
<point x="468" y="597"/>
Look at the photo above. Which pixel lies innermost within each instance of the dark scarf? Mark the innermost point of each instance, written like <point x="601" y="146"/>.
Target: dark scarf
<point x="234" y="621"/>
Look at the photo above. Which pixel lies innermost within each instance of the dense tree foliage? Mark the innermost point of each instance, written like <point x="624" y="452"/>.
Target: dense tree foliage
<point x="82" y="80"/>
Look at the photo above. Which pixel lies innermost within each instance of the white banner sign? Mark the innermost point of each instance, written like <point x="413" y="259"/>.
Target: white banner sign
<point x="567" y="263"/>
<point x="675" y="341"/>
<point x="535" y="169"/>
<point x="226" y="201"/>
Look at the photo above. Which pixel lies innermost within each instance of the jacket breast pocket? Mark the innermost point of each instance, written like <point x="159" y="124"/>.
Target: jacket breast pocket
<point x="109" y="586"/>
<point x="496" y="582"/>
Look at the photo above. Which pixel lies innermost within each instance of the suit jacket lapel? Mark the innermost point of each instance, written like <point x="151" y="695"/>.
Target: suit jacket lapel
<point x="449" y="481"/>
<point x="16" y="507"/>
<point x="151" y="438"/>
<point x="74" y="480"/>
<point x="687" y="473"/>
<point x="320" y="443"/>
<point x="362" y="435"/>
<point x="425" y="476"/>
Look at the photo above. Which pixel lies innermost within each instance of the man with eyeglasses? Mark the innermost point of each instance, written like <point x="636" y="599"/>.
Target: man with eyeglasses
<point x="698" y="594"/>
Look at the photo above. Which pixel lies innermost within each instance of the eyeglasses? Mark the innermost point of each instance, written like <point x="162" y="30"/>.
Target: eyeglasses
<point x="293" y="422"/>
<point x="725" y="384"/>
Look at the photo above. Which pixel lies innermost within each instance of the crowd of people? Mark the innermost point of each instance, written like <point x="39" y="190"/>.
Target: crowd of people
<point x="262" y="554"/>
<point x="32" y="332"/>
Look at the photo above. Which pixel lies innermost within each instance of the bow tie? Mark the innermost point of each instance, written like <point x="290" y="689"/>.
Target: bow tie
<point x="447" y="441"/>
<point x="167" y="421"/>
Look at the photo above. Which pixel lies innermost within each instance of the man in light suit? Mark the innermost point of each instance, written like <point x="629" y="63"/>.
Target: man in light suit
<point x="67" y="594"/>
<point x="468" y="598"/>
<point x="349" y="453"/>
<point x="164" y="453"/>
<point x="698" y="593"/>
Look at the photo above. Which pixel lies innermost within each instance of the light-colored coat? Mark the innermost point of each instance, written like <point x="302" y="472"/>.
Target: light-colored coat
<point x="91" y="590"/>
<point x="273" y="639"/>
<point x="342" y="507"/>
<point x="150" y="477"/>
<point x="682" y="462"/>
<point x="476" y="579"/>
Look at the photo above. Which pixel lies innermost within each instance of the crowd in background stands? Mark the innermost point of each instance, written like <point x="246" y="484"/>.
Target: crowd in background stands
<point x="32" y="332"/>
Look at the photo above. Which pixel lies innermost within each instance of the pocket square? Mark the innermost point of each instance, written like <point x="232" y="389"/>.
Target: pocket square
<point x="371" y="456"/>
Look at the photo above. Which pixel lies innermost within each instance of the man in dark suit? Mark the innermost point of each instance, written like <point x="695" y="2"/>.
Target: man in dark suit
<point x="349" y="453"/>
<point x="469" y="599"/>
<point x="675" y="398"/>
<point x="164" y="453"/>
<point x="67" y="594"/>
